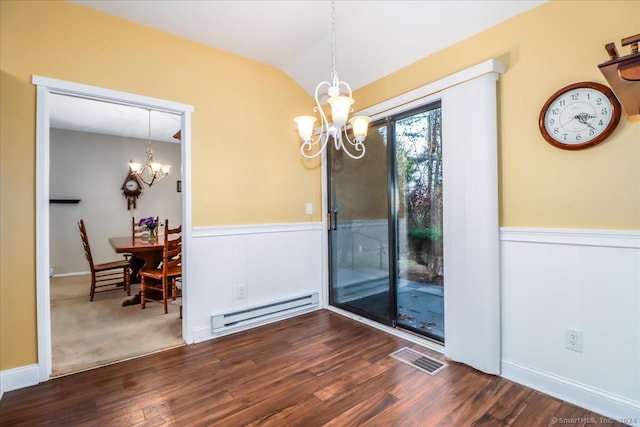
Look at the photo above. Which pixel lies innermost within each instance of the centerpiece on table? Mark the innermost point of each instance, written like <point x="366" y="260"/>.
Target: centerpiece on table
<point x="150" y="224"/>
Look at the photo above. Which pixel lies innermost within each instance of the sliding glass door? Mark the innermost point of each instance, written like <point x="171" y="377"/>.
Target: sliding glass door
<point x="419" y="243"/>
<point x="386" y="247"/>
<point x="359" y="230"/>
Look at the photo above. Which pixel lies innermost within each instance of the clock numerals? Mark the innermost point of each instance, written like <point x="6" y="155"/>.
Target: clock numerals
<point x="579" y="115"/>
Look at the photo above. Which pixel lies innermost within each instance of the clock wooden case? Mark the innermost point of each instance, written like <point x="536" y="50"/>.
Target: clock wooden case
<point x="579" y="115"/>
<point x="131" y="188"/>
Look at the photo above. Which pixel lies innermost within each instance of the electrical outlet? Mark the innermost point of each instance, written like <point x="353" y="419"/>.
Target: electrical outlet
<point x="573" y="339"/>
<point x="309" y="208"/>
<point x="241" y="291"/>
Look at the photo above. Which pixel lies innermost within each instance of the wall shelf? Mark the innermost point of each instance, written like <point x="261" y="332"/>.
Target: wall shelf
<point x="65" y="201"/>
<point x="623" y="75"/>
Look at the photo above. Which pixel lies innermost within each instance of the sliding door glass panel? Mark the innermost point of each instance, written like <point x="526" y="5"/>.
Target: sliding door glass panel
<point x="420" y="280"/>
<point x="359" y="235"/>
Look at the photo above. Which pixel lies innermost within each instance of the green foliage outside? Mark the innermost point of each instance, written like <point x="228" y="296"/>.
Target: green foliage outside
<point x="419" y="179"/>
<point x="425" y="234"/>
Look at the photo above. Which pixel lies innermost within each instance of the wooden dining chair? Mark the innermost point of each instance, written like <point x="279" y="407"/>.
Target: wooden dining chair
<point x="159" y="283"/>
<point x="108" y="276"/>
<point x="175" y="291"/>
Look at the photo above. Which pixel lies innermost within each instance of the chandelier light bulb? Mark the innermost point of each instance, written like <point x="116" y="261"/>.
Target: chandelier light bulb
<point x="340" y="108"/>
<point x="135" y="167"/>
<point x="305" y="126"/>
<point x="360" y="125"/>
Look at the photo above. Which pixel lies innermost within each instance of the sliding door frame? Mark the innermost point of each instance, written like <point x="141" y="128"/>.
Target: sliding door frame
<point x="468" y="96"/>
<point x="392" y="220"/>
<point x="331" y="220"/>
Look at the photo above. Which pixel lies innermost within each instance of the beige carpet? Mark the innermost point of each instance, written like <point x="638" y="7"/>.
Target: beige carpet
<point x="86" y="334"/>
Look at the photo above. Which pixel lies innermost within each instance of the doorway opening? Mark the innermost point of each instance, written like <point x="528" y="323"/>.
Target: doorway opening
<point x="91" y="143"/>
<point x="386" y="230"/>
<point x="46" y="89"/>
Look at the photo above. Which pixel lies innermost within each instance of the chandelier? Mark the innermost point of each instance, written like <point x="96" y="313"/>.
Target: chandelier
<point x="151" y="171"/>
<point x="340" y="103"/>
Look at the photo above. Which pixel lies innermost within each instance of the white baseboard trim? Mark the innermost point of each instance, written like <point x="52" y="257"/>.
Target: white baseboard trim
<point x="615" y="407"/>
<point x="201" y="333"/>
<point x="16" y="378"/>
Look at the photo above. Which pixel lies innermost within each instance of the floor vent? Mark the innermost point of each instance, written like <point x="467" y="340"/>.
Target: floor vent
<point x="419" y="360"/>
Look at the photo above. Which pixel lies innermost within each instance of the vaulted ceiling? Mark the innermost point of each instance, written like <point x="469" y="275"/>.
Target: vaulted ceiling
<point x="373" y="38"/>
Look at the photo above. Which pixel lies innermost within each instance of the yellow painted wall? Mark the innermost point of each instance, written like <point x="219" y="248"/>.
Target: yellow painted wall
<point x="246" y="174"/>
<point x="246" y="165"/>
<point x="545" y="49"/>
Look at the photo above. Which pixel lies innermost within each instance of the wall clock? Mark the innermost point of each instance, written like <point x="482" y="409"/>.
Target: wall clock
<point x="131" y="188"/>
<point x="580" y="115"/>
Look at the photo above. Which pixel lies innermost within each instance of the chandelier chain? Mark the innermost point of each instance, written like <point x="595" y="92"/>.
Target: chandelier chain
<point x="334" y="73"/>
<point x="149" y="150"/>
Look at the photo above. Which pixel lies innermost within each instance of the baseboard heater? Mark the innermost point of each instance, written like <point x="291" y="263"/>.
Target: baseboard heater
<point x="252" y="315"/>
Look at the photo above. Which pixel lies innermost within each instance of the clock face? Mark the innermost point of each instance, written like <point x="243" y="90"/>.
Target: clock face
<point x="132" y="185"/>
<point x="579" y="116"/>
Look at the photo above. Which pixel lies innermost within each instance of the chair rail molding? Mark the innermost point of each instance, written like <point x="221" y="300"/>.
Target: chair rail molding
<point x="572" y="236"/>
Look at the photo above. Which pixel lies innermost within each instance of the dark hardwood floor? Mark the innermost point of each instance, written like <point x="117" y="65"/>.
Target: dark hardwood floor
<point x="316" y="369"/>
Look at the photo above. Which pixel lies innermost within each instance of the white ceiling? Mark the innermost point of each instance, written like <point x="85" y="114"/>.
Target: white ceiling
<point x="88" y="115"/>
<point x="373" y="38"/>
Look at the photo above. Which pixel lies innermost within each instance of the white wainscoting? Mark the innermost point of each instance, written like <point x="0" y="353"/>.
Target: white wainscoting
<point x="589" y="280"/>
<point x="273" y="261"/>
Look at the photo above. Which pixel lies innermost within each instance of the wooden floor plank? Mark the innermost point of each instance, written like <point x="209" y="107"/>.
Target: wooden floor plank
<point x="317" y="369"/>
<point x="539" y="411"/>
<point x="363" y="411"/>
<point x="509" y="407"/>
<point x="477" y="404"/>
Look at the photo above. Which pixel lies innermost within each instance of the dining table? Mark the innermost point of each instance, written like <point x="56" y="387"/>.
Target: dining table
<point x="144" y="253"/>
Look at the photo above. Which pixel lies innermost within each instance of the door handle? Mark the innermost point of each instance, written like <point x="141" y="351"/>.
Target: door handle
<point x="332" y="220"/>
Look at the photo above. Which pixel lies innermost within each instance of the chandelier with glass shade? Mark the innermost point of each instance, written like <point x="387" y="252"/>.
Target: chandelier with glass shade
<point x="340" y="100"/>
<point x="150" y="172"/>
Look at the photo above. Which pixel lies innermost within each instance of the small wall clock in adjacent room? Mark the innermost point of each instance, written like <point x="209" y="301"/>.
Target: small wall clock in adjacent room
<point x="131" y="188"/>
<point x="580" y="115"/>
